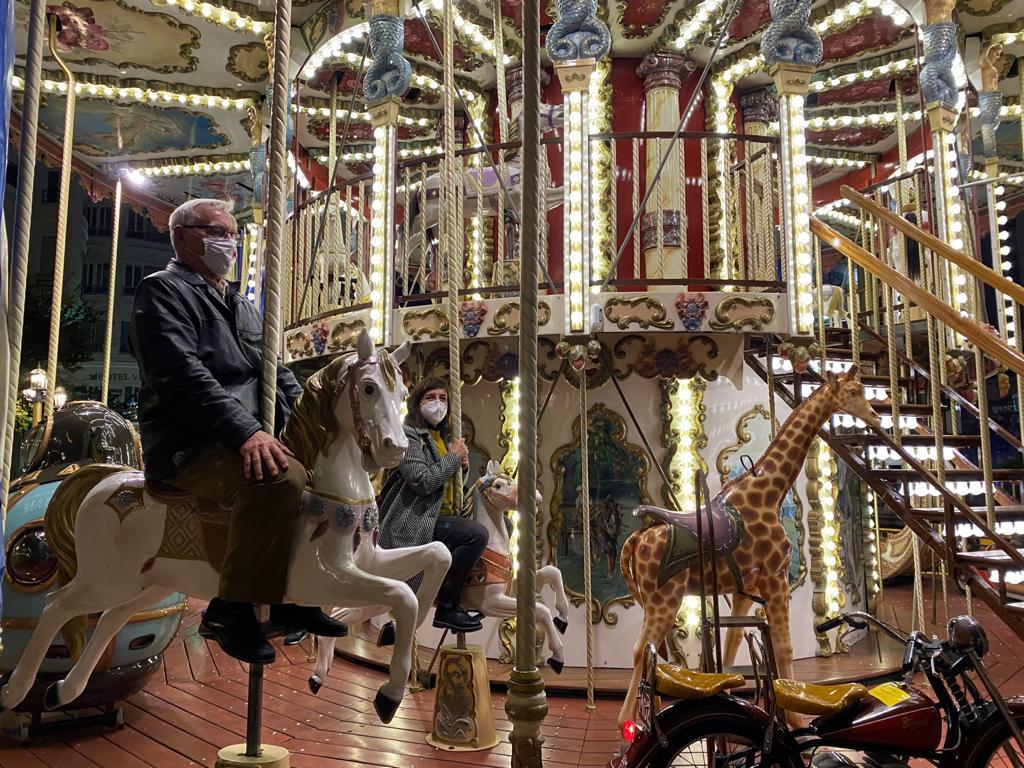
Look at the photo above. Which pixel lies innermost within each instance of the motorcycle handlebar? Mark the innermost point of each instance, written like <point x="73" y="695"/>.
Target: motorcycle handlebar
<point x="860" y="620"/>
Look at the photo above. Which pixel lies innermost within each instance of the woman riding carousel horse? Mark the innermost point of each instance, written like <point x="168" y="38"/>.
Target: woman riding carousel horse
<point x="417" y="502"/>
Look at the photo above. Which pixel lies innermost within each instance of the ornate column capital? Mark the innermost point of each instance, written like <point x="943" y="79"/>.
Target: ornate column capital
<point x="759" y="107"/>
<point x="664" y="69"/>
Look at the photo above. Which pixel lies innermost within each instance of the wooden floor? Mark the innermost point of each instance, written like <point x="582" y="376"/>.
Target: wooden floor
<point x="196" y="705"/>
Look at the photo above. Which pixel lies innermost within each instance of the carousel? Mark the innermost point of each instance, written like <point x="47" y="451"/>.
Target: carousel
<point x="727" y="297"/>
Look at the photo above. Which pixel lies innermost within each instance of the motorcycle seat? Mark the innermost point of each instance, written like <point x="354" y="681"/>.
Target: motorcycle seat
<point x="679" y="682"/>
<point x="810" y="699"/>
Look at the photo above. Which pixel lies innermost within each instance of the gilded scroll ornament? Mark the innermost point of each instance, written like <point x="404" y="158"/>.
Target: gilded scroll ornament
<point x="506" y="319"/>
<point x="739" y="312"/>
<point x="428" y="323"/>
<point x="642" y="311"/>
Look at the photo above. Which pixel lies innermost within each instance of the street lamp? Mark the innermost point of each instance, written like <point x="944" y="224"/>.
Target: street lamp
<point x="59" y="398"/>
<point x="36" y="393"/>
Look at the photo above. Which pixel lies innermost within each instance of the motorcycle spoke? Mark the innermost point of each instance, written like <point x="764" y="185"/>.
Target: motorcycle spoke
<point x="1009" y="749"/>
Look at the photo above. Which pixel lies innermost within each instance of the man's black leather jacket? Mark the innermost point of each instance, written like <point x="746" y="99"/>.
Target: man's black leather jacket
<point x="199" y="357"/>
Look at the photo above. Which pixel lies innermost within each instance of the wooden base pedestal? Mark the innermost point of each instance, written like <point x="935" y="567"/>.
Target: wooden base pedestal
<point x="235" y="757"/>
<point x="463" y="718"/>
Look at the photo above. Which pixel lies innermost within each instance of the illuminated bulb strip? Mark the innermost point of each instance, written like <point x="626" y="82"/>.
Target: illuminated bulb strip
<point x="841" y="81"/>
<point x="995" y="192"/>
<point x="828" y="494"/>
<point x="576" y="216"/>
<point x="155" y="96"/>
<point x="225" y="167"/>
<point x="252" y="239"/>
<point x="382" y="226"/>
<point x="362" y="117"/>
<point x="698" y="23"/>
<point x="422" y="81"/>
<point x="365" y="157"/>
<point x="601" y="175"/>
<point x="836" y="162"/>
<point x="685" y="401"/>
<point x="952" y="230"/>
<point x="818" y="123"/>
<point x="1003" y="528"/>
<point x="333" y="49"/>
<point x="297" y="170"/>
<point x="859" y="9"/>
<point x="874" y="573"/>
<point x="959" y="487"/>
<point x="510" y="460"/>
<point x="224" y="17"/>
<point x="796" y="215"/>
<point x="846" y="219"/>
<point x="919" y="452"/>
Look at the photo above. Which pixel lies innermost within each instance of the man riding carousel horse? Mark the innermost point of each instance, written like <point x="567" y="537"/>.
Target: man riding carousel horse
<point x="198" y="344"/>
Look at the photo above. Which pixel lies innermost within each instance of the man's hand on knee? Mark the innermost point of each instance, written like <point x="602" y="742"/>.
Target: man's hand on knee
<point x="262" y="451"/>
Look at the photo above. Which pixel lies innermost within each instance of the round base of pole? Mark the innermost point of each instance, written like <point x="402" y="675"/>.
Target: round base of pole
<point x="463" y="718"/>
<point x="235" y="757"/>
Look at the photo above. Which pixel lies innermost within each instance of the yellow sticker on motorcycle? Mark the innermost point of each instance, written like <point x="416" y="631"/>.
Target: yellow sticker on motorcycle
<point x="889" y="694"/>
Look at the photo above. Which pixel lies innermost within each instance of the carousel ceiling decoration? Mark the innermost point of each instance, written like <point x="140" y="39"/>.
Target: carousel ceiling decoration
<point x="166" y="86"/>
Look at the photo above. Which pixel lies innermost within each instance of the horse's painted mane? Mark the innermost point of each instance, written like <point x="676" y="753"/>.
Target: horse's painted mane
<point x="312" y="426"/>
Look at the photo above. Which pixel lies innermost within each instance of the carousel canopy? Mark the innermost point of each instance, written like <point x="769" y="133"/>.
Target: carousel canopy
<point x="168" y="89"/>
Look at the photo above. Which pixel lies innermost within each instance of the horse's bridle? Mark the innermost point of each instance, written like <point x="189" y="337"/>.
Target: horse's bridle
<point x="347" y="379"/>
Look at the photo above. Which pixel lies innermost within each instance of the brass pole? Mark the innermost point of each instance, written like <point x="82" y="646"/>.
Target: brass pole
<point x="62" y="222"/>
<point x="115" y="231"/>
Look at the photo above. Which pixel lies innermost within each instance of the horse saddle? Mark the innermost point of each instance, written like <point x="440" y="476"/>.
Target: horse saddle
<point x="683" y="546"/>
<point x="194" y="528"/>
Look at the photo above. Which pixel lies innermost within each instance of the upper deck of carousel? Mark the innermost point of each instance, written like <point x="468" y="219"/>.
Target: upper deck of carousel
<point x="174" y="97"/>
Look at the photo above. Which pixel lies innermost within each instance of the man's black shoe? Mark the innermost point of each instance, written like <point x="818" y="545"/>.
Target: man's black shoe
<point x="454" y="618"/>
<point x="295" y="618"/>
<point x="234" y="627"/>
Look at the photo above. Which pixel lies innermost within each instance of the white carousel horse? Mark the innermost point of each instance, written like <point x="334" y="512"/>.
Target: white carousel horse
<point x="481" y="189"/>
<point x="489" y="586"/>
<point x="345" y="424"/>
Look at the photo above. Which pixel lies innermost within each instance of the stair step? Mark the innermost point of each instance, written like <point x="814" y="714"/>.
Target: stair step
<point x="999" y="475"/>
<point x="950" y="441"/>
<point x="921" y="410"/>
<point x="988" y="558"/>
<point x="1008" y="512"/>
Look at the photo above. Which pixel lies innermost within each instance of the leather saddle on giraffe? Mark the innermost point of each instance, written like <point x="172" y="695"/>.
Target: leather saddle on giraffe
<point x="682" y="552"/>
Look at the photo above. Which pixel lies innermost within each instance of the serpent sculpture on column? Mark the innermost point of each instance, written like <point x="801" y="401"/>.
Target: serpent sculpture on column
<point x="578" y="33"/>
<point x="390" y="74"/>
<point x="789" y="38"/>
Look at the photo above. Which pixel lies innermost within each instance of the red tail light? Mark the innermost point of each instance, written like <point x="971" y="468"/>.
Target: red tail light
<point x="629" y="731"/>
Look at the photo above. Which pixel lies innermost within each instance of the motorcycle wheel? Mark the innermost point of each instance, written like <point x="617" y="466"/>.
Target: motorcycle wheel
<point x="996" y="749"/>
<point x="722" y="739"/>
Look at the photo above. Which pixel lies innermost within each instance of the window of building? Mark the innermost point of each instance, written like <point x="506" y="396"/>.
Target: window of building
<point x="133" y="274"/>
<point x="99" y="219"/>
<point x="131" y="394"/>
<point x="51" y="190"/>
<point x="124" y="347"/>
<point x="95" y="278"/>
<point x="139" y="227"/>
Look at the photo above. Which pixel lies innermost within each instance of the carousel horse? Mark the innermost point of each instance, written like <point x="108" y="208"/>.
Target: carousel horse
<point x="489" y="584"/>
<point x="481" y="190"/>
<point x="834" y="303"/>
<point x="124" y="545"/>
<point x="752" y="550"/>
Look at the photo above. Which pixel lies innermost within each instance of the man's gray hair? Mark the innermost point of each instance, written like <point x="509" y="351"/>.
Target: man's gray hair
<point x="187" y="212"/>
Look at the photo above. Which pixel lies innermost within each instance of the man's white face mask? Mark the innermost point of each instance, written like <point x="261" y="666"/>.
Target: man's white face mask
<point x="219" y="255"/>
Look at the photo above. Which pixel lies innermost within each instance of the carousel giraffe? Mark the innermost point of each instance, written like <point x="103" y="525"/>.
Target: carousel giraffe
<point x="751" y="544"/>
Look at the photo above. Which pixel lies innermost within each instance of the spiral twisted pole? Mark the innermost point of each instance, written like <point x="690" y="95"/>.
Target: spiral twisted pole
<point x="585" y="495"/>
<point x="452" y="237"/>
<point x="276" y="202"/>
<point x="22" y="226"/>
<point x="115" y="231"/>
<point x="526" y="704"/>
<point x="62" y="224"/>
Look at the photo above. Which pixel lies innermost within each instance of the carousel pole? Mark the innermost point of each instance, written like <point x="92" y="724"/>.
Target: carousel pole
<point x="526" y="703"/>
<point x="22" y="227"/>
<point x="115" y="231"/>
<point x="451" y="241"/>
<point x="253" y="752"/>
<point x="62" y="223"/>
<point x="792" y="49"/>
<point x="575" y="49"/>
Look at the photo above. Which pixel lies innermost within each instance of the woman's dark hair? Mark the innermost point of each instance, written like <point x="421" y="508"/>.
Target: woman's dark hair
<point x="414" y="418"/>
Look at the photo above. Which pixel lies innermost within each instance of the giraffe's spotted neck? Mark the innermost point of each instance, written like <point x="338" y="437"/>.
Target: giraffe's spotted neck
<point x="775" y="472"/>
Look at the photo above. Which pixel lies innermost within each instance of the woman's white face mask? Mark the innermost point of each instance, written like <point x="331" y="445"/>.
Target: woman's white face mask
<point x="434" y="411"/>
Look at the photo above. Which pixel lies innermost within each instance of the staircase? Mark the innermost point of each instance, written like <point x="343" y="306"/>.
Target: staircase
<point x="916" y="465"/>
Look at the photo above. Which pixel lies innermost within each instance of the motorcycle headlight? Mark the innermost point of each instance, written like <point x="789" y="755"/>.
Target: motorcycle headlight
<point x="966" y="634"/>
<point x="30" y="560"/>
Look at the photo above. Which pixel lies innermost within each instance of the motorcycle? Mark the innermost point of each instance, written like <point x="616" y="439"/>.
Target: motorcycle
<point x="963" y="723"/>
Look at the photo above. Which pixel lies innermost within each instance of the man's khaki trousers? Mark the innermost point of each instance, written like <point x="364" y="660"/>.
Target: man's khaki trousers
<point x="262" y="521"/>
